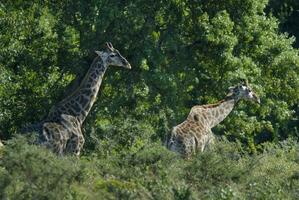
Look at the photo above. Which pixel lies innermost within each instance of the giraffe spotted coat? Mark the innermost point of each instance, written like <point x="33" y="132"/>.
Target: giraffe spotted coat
<point x="195" y="134"/>
<point x="61" y="130"/>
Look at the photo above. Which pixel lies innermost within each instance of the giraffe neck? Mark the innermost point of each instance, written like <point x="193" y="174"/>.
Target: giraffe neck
<point x="220" y="111"/>
<point x="79" y="103"/>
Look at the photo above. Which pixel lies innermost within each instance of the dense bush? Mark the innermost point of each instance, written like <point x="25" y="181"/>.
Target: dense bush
<point x="30" y="172"/>
<point x="224" y="172"/>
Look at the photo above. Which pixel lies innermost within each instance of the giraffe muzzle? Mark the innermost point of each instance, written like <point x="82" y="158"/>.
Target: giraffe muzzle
<point x="257" y="99"/>
<point x="127" y="65"/>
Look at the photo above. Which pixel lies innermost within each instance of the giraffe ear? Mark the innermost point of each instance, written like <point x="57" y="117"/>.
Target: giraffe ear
<point x="231" y="89"/>
<point x="98" y="53"/>
<point x="245" y="82"/>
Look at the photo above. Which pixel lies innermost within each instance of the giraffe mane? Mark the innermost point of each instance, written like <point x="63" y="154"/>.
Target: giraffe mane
<point x="229" y="96"/>
<point x="213" y="105"/>
<point x="77" y="82"/>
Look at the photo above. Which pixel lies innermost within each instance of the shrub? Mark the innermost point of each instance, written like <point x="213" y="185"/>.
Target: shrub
<point x="32" y="172"/>
<point x="151" y="172"/>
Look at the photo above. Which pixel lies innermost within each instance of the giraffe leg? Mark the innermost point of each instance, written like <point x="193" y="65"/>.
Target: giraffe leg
<point x="201" y="145"/>
<point x="176" y="145"/>
<point x="80" y="144"/>
<point x="183" y="144"/>
<point x="207" y="140"/>
<point x="75" y="138"/>
<point x="54" y="137"/>
<point x="75" y="143"/>
<point x="210" y="139"/>
<point x="190" y="145"/>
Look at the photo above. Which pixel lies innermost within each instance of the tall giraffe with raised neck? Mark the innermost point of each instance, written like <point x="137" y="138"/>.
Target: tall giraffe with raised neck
<point x="195" y="134"/>
<point x="61" y="130"/>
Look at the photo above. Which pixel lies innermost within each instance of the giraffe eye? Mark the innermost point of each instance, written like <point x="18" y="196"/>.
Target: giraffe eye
<point x="112" y="55"/>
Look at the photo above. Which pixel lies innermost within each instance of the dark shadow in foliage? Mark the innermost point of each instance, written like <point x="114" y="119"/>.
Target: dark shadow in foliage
<point x="32" y="172"/>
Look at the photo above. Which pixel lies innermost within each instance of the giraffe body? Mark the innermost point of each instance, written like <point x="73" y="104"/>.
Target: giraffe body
<point x="63" y="136"/>
<point x="61" y="130"/>
<point x="195" y="134"/>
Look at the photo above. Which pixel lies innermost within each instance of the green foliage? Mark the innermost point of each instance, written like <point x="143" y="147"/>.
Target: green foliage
<point x="182" y="53"/>
<point x="120" y="137"/>
<point x="224" y="172"/>
<point x="29" y="172"/>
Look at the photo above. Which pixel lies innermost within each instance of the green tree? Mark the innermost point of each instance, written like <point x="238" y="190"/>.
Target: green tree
<point x="287" y="13"/>
<point x="182" y="53"/>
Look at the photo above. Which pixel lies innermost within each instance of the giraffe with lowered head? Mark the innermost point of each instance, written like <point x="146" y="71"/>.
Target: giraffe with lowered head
<point x="194" y="134"/>
<point x="61" y="130"/>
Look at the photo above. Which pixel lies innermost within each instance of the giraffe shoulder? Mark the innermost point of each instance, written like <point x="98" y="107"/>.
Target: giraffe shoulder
<point x="197" y="109"/>
<point x="195" y="113"/>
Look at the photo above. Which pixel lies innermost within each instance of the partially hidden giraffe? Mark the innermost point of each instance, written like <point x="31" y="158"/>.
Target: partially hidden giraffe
<point x="195" y="134"/>
<point x="61" y="130"/>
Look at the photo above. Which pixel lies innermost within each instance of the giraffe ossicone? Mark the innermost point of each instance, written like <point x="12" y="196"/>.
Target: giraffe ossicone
<point x="195" y="134"/>
<point x="61" y="130"/>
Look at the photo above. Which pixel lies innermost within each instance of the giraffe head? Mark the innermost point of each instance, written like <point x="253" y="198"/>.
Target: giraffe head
<point x="243" y="91"/>
<point x="111" y="56"/>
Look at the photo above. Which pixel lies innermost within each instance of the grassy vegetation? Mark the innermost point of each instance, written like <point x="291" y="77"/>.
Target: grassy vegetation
<point x="224" y="172"/>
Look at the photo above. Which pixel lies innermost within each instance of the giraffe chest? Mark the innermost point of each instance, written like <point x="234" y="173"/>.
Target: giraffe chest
<point x="189" y="137"/>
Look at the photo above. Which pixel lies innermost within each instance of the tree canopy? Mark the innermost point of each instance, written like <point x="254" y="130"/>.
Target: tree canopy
<point x="183" y="53"/>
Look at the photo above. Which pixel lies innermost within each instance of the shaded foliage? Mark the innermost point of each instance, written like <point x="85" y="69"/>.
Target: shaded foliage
<point x="287" y="13"/>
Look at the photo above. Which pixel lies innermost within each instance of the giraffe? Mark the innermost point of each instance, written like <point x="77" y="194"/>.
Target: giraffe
<point x="195" y="134"/>
<point x="61" y="130"/>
